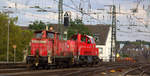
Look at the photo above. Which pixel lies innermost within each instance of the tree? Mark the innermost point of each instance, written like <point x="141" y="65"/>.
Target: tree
<point x="77" y="26"/>
<point x="17" y="36"/>
<point x="37" y="25"/>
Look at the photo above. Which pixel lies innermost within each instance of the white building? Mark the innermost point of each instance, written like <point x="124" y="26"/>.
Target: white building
<point x="103" y="40"/>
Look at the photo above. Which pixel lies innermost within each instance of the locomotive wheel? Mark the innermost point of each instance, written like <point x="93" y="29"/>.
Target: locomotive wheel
<point x="35" y="67"/>
<point x="89" y="65"/>
<point x="44" y="66"/>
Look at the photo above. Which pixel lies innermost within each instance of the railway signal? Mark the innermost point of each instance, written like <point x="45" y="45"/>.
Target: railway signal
<point x="14" y="47"/>
<point x="66" y="19"/>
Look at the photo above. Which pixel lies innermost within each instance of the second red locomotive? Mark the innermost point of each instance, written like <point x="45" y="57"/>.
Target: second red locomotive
<point x="48" y="48"/>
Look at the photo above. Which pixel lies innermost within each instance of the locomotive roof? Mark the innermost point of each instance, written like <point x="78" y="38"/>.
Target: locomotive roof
<point x="46" y="31"/>
<point x="100" y="30"/>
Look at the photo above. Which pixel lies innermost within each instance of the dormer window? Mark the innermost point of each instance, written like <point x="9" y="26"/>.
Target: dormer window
<point x="97" y="38"/>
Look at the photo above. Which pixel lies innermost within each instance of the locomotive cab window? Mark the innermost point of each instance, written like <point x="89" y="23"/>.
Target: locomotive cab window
<point x="50" y="35"/>
<point x="59" y="36"/>
<point x="92" y="41"/>
<point x="38" y="35"/>
<point x="74" y="37"/>
<point x="83" y="38"/>
<point x="88" y="41"/>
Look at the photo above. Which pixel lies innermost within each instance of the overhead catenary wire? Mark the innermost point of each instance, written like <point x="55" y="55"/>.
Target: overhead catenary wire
<point x="74" y="3"/>
<point x="79" y="11"/>
<point x="76" y="9"/>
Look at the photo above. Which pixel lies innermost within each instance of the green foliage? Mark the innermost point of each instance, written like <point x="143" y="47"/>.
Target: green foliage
<point x="77" y="26"/>
<point x="37" y="25"/>
<point x="17" y="37"/>
<point x="124" y="55"/>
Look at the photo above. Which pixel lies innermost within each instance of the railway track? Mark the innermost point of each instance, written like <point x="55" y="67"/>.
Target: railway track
<point x="73" y="71"/>
<point x="93" y="71"/>
<point x="142" y="70"/>
<point x="12" y="65"/>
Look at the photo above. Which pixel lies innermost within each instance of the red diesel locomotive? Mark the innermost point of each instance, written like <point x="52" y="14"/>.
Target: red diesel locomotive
<point x="48" y="48"/>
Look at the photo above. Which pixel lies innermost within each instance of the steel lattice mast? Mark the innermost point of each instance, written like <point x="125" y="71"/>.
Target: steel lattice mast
<point x="113" y="37"/>
<point x="60" y="16"/>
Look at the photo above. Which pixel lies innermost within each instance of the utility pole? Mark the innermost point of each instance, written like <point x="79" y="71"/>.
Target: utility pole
<point x="8" y="38"/>
<point x="81" y="9"/>
<point x="8" y="42"/>
<point x="60" y="16"/>
<point x="8" y="25"/>
<point x="113" y="37"/>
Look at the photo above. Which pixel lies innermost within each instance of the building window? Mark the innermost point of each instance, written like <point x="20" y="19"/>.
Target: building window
<point x="97" y="37"/>
<point x="100" y="50"/>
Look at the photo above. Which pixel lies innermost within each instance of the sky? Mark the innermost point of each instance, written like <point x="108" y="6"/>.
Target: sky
<point x="26" y="13"/>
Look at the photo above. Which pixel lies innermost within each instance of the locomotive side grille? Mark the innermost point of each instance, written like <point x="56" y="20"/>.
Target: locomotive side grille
<point x="38" y="41"/>
<point x="39" y="45"/>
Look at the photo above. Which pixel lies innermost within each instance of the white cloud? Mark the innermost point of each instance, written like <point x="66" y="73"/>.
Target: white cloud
<point x="16" y="5"/>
